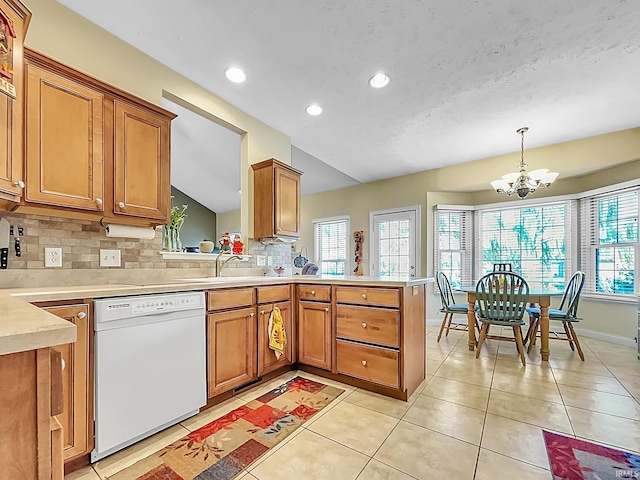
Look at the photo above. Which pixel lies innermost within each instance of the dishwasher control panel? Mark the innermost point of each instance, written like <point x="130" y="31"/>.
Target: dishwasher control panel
<point x="117" y="309"/>
<point x="163" y="304"/>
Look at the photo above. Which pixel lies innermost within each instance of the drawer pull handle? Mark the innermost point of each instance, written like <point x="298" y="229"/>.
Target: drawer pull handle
<point x="364" y="295"/>
<point x="81" y="315"/>
<point x="313" y="292"/>
<point x="364" y="325"/>
<point x="364" y="363"/>
<point x="326" y="309"/>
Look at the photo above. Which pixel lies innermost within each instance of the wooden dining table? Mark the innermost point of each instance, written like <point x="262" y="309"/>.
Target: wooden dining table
<point x="540" y="296"/>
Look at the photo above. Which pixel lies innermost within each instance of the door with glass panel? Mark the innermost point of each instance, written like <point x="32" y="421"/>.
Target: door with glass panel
<point x="394" y="240"/>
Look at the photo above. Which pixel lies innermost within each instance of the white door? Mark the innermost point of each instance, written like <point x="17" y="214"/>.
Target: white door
<point x="395" y="238"/>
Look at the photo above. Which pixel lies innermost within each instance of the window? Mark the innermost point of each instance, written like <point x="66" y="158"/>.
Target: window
<point x="535" y="239"/>
<point x="610" y="242"/>
<point x="453" y="245"/>
<point x="330" y="245"/>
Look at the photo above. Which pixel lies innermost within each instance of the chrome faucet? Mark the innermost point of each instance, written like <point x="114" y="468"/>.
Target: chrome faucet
<point x="227" y="258"/>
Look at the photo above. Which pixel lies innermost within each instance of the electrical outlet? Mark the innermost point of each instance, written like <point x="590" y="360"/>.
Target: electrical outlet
<point x="53" y="257"/>
<point x="269" y="260"/>
<point x="261" y="261"/>
<point x="109" y="258"/>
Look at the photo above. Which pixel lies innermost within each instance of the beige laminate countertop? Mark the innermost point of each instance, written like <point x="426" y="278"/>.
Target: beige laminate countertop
<point x="26" y="327"/>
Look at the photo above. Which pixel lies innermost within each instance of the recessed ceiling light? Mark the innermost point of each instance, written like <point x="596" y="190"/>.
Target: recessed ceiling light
<point x="235" y="75"/>
<point x="314" y="109"/>
<point x="379" y="80"/>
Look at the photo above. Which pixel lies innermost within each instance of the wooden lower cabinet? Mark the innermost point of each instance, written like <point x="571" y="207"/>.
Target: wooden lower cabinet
<point x="77" y="383"/>
<point x="231" y="349"/>
<point x="267" y="360"/>
<point x="314" y="334"/>
<point x="31" y="442"/>
<point x="374" y="364"/>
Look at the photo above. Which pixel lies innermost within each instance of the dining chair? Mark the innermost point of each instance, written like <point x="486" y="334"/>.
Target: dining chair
<point x="567" y="313"/>
<point x="501" y="298"/>
<point x="502" y="267"/>
<point x="449" y="306"/>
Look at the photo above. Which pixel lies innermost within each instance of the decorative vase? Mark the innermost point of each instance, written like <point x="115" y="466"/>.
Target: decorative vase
<point x="171" y="239"/>
<point x="206" y="246"/>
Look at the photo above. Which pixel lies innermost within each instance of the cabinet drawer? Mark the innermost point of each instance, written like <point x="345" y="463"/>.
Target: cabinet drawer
<point x="217" y="299"/>
<point x="314" y="292"/>
<point x="273" y="294"/>
<point x="385" y="297"/>
<point x="374" y="364"/>
<point x="367" y="324"/>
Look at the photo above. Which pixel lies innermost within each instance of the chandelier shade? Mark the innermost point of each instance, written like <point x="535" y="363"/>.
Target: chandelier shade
<point x="521" y="183"/>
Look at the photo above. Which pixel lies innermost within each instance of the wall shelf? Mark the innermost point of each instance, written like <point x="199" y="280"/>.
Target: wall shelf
<point x="197" y="257"/>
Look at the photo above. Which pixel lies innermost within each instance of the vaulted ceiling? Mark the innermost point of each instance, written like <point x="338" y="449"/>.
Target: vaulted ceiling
<point x="465" y="74"/>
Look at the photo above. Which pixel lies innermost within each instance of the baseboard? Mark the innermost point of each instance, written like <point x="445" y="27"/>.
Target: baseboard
<point x="606" y="337"/>
<point x="582" y="332"/>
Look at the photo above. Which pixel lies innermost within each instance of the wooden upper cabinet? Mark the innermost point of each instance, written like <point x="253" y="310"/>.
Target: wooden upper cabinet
<point x="11" y="110"/>
<point x="141" y="163"/>
<point x="64" y="157"/>
<point x="276" y="200"/>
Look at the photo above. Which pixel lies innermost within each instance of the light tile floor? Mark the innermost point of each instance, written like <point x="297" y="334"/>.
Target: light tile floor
<point x="471" y="419"/>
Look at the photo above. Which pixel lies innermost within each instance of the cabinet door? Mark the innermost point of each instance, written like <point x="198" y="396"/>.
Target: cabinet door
<point x="64" y="139"/>
<point x="314" y="334"/>
<point x="141" y="163"/>
<point x="231" y="349"/>
<point x="76" y="417"/>
<point x="11" y="110"/>
<point x="267" y="360"/>
<point x="287" y="209"/>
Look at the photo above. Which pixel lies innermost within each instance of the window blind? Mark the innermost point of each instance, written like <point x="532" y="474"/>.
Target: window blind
<point x="453" y="245"/>
<point x="536" y="239"/>
<point x="609" y="241"/>
<point x="331" y="245"/>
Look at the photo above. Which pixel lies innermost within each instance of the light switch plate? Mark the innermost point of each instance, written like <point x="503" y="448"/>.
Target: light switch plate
<point x="261" y="260"/>
<point x="270" y="260"/>
<point x="109" y="258"/>
<point x="53" y="257"/>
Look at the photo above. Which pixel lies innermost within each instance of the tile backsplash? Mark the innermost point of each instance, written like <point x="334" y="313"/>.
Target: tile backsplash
<point x="81" y="241"/>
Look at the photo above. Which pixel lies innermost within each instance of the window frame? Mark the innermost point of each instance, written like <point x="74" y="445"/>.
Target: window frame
<point x="570" y="225"/>
<point x="466" y="250"/>
<point x="589" y="241"/>
<point x="317" y="247"/>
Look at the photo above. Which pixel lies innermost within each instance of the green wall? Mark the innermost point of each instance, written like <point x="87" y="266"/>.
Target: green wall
<point x="200" y="222"/>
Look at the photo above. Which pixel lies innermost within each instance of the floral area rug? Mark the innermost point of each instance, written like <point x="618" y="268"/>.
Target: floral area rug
<point x="225" y="447"/>
<point x="573" y="459"/>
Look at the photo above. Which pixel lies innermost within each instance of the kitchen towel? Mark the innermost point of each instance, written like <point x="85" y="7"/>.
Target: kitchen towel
<point x="130" y="232"/>
<point x="277" y="334"/>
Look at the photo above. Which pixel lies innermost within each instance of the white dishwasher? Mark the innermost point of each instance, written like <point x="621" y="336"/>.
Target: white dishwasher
<point x="150" y="366"/>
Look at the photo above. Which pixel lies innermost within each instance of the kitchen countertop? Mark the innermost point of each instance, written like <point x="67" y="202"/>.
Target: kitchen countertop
<point x="26" y="327"/>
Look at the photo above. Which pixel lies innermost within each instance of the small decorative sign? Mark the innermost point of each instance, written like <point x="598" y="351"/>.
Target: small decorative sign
<point x="6" y="55"/>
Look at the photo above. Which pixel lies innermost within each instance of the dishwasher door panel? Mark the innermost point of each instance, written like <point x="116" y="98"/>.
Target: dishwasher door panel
<point x="147" y="376"/>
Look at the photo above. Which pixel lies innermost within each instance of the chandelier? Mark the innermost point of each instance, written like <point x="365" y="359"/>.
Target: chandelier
<point x="522" y="183"/>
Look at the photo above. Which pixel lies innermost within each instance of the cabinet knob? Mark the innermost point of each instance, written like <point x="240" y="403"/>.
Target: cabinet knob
<point x="279" y="229"/>
<point x="81" y="315"/>
<point x="364" y="325"/>
<point x="121" y="204"/>
<point x="98" y="201"/>
<point x="261" y="312"/>
<point x="64" y="364"/>
<point x="364" y="296"/>
<point x="364" y="362"/>
<point x="19" y="184"/>
<point x="313" y="292"/>
<point x="251" y="314"/>
<point x="326" y="309"/>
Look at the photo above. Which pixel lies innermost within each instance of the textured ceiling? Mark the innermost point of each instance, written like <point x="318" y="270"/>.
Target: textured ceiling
<point x="465" y="74"/>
